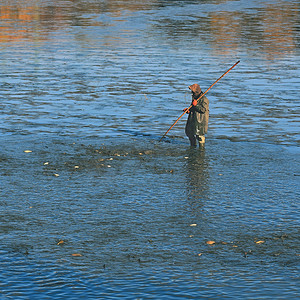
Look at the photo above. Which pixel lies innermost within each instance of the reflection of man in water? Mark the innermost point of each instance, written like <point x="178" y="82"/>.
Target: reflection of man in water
<point x="197" y="123"/>
<point x="197" y="178"/>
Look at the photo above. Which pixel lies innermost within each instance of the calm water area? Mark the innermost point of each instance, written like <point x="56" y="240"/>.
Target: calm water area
<point x="93" y="206"/>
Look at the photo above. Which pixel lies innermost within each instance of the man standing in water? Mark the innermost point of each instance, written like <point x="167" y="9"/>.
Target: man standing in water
<point x="197" y="123"/>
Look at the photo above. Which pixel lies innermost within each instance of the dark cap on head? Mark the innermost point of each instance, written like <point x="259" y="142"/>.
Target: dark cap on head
<point x="195" y="88"/>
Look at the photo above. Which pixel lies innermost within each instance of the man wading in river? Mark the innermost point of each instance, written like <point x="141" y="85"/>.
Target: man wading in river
<point x="197" y="123"/>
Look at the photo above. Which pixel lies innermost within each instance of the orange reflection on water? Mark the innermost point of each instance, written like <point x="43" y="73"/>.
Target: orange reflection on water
<point x="13" y="20"/>
<point x="271" y="31"/>
<point x="225" y="30"/>
<point x="278" y="36"/>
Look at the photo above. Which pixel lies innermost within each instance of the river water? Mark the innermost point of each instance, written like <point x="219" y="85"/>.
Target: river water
<point x="93" y="206"/>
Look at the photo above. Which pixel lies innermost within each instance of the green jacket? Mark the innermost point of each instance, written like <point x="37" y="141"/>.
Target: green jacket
<point x="197" y="123"/>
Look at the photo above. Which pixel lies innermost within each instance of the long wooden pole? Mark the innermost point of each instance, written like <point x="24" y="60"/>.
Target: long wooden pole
<point x="198" y="100"/>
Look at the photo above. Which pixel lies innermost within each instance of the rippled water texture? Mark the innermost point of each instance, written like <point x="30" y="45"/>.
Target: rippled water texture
<point x="93" y="206"/>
